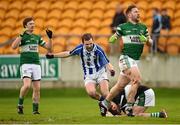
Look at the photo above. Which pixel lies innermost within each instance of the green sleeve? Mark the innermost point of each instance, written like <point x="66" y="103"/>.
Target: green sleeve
<point x="119" y="30"/>
<point x="113" y="39"/>
<point x="41" y="42"/>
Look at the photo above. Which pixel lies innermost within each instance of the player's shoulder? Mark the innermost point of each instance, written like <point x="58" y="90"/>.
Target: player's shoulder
<point x="80" y="46"/>
<point x="122" y="25"/>
<point x="98" y="47"/>
<point x="142" y="25"/>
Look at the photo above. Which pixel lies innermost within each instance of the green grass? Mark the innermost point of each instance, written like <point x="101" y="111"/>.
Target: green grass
<point x="73" y="106"/>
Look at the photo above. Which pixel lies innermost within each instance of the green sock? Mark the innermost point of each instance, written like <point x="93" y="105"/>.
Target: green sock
<point x="35" y="107"/>
<point x="130" y="104"/>
<point x="21" y="100"/>
<point x="107" y="103"/>
<point x="155" y="114"/>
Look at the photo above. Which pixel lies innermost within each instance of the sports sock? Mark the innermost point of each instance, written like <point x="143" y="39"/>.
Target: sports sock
<point x="130" y="104"/>
<point x="106" y="103"/>
<point x="35" y="107"/>
<point x="21" y="100"/>
<point x="101" y="98"/>
<point x="155" y="114"/>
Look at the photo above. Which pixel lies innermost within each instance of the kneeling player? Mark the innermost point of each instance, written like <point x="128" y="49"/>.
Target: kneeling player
<point x="145" y="98"/>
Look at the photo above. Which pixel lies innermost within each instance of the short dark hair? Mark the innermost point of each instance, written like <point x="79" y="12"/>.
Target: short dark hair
<point x="26" y="20"/>
<point x="130" y="8"/>
<point x="86" y="37"/>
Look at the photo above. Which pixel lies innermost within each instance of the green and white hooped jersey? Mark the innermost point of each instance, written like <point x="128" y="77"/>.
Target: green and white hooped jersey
<point x="130" y="32"/>
<point x="29" y="53"/>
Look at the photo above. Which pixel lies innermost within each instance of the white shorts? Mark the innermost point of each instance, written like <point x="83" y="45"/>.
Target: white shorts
<point x="149" y="99"/>
<point x="145" y="99"/>
<point x="97" y="77"/>
<point x="125" y="62"/>
<point x="32" y="71"/>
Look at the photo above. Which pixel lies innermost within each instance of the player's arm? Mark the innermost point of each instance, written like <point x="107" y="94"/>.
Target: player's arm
<point x="146" y="38"/>
<point x="17" y="41"/>
<point x="117" y="35"/>
<point x="105" y="60"/>
<point x="113" y="38"/>
<point x="58" y="55"/>
<point x="64" y="54"/>
<point x="48" y="45"/>
<point x="150" y="41"/>
<point x="110" y="67"/>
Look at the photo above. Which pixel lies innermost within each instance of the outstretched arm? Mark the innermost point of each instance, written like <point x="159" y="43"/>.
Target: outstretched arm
<point x="58" y="55"/>
<point x="62" y="54"/>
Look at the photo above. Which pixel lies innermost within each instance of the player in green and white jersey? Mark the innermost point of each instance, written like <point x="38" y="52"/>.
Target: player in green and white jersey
<point x="29" y="62"/>
<point x="134" y="35"/>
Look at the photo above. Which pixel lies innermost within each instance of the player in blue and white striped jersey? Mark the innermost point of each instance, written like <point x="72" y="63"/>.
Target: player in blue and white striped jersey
<point x="94" y="63"/>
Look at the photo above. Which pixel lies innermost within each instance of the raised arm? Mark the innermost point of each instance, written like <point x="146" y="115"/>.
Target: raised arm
<point x="16" y="42"/>
<point x="48" y="45"/>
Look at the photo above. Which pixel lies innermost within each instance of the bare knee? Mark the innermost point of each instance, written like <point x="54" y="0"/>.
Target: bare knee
<point x="92" y="94"/>
<point x="27" y="87"/>
<point x="104" y="94"/>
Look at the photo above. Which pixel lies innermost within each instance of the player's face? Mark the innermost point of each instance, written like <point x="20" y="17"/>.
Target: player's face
<point x="88" y="44"/>
<point x="30" y="26"/>
<point x="134" y="15"/>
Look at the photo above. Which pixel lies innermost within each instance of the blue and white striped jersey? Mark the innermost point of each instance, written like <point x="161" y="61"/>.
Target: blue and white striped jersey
<point x="91" y="61"/>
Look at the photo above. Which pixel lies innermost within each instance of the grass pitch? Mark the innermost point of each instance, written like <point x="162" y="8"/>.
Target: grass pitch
<point x="73" y="106"/>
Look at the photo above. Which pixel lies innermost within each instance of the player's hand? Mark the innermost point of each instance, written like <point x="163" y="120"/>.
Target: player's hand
<point x="49" y="33"/>
<point x="112" y="72"/>
<point x="142" y="38"/>
<point x="49" y="56"/>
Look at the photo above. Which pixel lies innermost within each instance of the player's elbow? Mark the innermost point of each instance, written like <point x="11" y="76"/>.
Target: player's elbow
<point x="13" y="46"/>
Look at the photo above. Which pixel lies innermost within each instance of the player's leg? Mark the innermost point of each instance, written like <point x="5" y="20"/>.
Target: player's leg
<point x="149" y="101"/>
<point x="36" y="77"/>
<point x="91" y="90"/>
<point x="137" y="110"/>
<point x="134" y="75"/>
<point x="23" y="91"/>
<point x="145" y="100"/>
<point x="102" y="80"/>
<point x="36" y="96"/>
<point x="104" y="88"/>
<point x="26" y="78"/>
<point x="118" y="87"/>
<point x="135" y="82"/>
<point x="161" y="114"/>
<point x="140" y="111"/>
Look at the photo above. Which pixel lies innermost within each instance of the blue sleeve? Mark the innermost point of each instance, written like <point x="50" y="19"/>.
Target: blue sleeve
<point x="76" y="50"/>
<point x="103" y="58"/>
